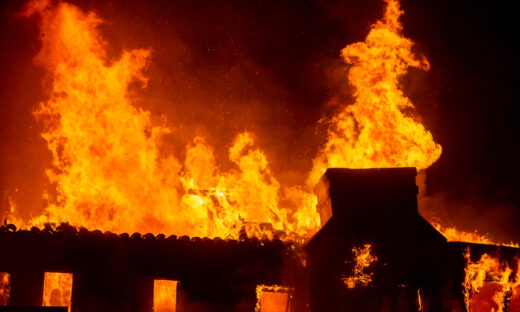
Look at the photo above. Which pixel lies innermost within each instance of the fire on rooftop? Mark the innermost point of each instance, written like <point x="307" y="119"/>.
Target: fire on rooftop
<point x="374" y="253"/>
<point x="224" y="233"/>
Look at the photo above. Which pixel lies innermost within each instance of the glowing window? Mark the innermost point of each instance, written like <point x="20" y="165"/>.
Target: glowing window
<point x="272" y="298"/>
<point x="165" y="296"/>
<point x="5" y="288"/>
<point x="57" y="289"/>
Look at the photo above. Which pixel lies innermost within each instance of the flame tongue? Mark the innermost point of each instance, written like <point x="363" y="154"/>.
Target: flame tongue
<point x="105" y="150"/>
<point x="374" y="132"/>
<point x="107" y="165"/>
<point x="489" y="269"/>
<point x="111" y="174"/>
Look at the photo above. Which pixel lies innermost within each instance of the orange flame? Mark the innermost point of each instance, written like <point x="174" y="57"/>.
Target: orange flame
<point x="363" y="258"/>
<point x="57" y="289"/>
<point x="165" y="296"/>
<point x="419" y="301"/>
<point x="109" y="165"/>
<point x="374" y="131"/>
<point x="5" y="288"/>
<point x="489" y="269"/>
<point x="454" y="235"/>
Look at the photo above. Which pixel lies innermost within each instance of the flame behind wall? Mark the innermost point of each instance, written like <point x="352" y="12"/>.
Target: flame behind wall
<point x="374" y="132"/>
<point x="490" y="271"/>
<point x="110" y="169"/>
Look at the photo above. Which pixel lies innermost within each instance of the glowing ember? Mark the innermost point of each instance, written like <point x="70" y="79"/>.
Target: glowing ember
<point x="362" y="260"/>
<point x="487" y="270"/>
<point x="57" y="289"/>
<point x="272" y="298"/>
<point x="374" y="132"/>
<point x="164" y="296"/>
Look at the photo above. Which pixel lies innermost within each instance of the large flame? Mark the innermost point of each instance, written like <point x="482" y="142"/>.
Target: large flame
<point x="111" y="171"/>
<point x="374" y="132"/>
<point x="489" y="269"/>
<point x="107" y="169"/>
<point x="108" y="166"/>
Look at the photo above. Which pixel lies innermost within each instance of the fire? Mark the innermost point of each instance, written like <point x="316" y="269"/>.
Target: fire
<point x="5" y="288"/>
<point x="249" y="193"/>
<point x="165" y="296"/>
<point x="110" y="169"/>
<point x="363" y="258"/>
<point x="454" y="235"/>
<point x="489" y="269"/>
<point x="57" y="289"/>
<point x="273" y="298"/>
<point x="374" y="131"/>
<point x="108" y="166"/>
<point x="419" y="301"/>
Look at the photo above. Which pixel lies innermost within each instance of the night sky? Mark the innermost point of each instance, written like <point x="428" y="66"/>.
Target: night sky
<point x="272" y="67"/>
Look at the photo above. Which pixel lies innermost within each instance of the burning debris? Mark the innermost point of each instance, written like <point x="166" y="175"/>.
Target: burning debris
<point x="374" y="132"/>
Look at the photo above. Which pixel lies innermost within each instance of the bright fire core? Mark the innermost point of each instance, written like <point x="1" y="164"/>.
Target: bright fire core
<point x="110" y="170"/>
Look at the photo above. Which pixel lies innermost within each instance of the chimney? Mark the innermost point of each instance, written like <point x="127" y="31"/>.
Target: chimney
<point x="376" y="207"/>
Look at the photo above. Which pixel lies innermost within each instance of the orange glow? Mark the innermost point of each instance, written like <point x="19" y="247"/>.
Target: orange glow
<point x="419" y="301"/>
<point x="57" y="289"/>
<point x="108" y="166"/>
<point x="491" y="273"/>
<point x="272" y="298"/>
<point x="363" y="258"/>
<point x="5" y="288"/>
<point x="454" y="235"/>
<point x="111" y="171"/>
<point x="164" y="296"/>
<point x="374" y="132"/>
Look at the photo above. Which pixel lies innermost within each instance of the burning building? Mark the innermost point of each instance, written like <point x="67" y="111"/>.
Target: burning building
<point x="399" y="262"/>
<point x="218" y="230"/>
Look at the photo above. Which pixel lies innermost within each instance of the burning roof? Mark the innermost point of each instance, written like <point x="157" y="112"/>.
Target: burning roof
<point x="110" y="170"/>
